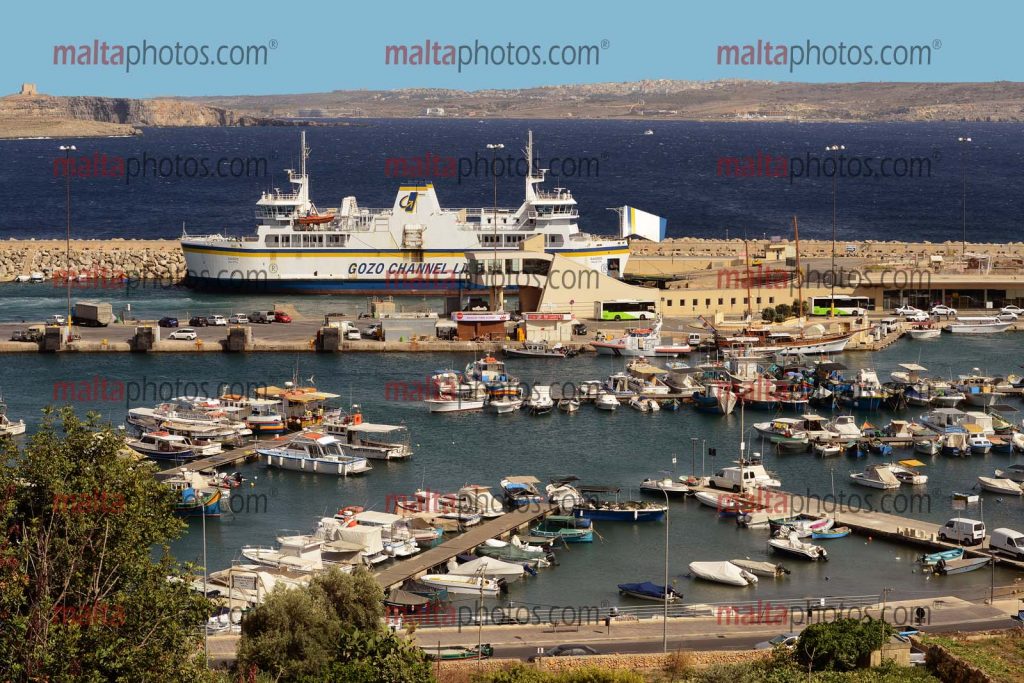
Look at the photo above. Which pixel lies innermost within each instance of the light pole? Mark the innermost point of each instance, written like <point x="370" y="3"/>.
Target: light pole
<point x="664" y="616"/>
<point x="693" y="456"/>
<point x="964" y="141"/>
<point x="494" y="218"/>
<point x="480" y="619"/>
<point x="835" y="188"/>
<point x="67" y="149"/>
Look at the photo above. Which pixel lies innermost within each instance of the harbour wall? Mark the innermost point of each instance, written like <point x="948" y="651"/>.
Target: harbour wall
<point x="112" y="259"/>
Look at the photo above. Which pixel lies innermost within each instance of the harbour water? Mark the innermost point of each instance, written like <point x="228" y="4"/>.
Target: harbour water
<point x="620" y="448"/>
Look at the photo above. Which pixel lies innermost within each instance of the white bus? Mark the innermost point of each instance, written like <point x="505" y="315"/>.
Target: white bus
<point x="840" y="304"/>
<point x="625" y="309"/>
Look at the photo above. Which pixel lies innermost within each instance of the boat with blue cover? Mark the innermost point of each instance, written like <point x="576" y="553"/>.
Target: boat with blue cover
<point x="649" y="591"/>
<point x="933" y="558"/>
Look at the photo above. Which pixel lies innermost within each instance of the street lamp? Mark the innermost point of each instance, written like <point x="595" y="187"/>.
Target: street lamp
<point x="964" y="141"/>
<point x="494" y="176"/>
<point x="835" y="187"/>
<point x="664" y="616"/>
<point x="67" y="149"/>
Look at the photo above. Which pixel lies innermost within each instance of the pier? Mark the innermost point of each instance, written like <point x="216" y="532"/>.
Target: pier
<point x="226" y="458"/>
<point x="422" y="563"/>
<point x="869" y="523"/>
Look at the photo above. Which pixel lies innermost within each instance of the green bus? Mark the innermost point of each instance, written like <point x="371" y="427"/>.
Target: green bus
<point x="625" y="309"/>
<point x="842" y="304"/>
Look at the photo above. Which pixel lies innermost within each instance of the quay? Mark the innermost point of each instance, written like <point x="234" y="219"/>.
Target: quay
<point x="421" y="563"/>
<point x="226" y="458"/>
<point x="870" y="523"/>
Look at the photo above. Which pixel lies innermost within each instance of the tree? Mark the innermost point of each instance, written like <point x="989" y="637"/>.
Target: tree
<point x="782" y="311"/>
<point x="841" y="645"/>
<point x="80" y="596"/>
<point x="768" y="314"/>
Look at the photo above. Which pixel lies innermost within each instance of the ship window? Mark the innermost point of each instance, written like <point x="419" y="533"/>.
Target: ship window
<point x="286" y="240"/>
<point x="554" y="240"/>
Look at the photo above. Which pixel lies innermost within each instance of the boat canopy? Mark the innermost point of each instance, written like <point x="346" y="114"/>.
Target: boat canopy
<point x="488" y="566"/>
<point x="401" y="598"/>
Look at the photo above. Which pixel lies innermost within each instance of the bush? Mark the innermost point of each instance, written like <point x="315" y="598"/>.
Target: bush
<point x="768" y="314"/>
<point x="840" y="645"/>
<point x="783" y="311"/>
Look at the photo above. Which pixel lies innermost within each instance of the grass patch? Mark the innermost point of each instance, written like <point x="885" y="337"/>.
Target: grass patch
<point x="1001" y="657"/>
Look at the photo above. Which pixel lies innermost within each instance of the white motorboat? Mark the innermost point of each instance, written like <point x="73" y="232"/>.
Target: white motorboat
<point x="479" y="499"/>
<point x="906" y="471"/>
<point x="978" y="326"/>
<point x="568" y="405"/>
<point x="827" y="450"/>
<point x="516" y="543"/>
<point x="1018" y="442"/>
<point x="163" y="446"/>
<point x="876" y="477"/>
<point x="504" y="405"/>
<point x="979" y="445"/>
<point x="9" y="427"/>
<point x="1013" y="473"/>
<point x="540" y="402"/>
<point x="462" y="585"/>
<point x="641" y="404"/>
<point x="299" y="553"/>
<point x="666" y="484"/>
<point x="924" y="332"/>
<point x="803" y="527"/>
<point x="846" y="427"/>
<point x="759" y="568"/>
<point x="927" y="446"/>
<point x="311" y="452"/>
<point x="606" y="401"/>
<point x="1004" y="486"/>
<point x="451" y="393"/>
<point x="792" y="545"/>
<point x="640" y="342"/>
<point x="722" y="572"/>
<point x="784" y="432"/>
<point x="488" y="567"/>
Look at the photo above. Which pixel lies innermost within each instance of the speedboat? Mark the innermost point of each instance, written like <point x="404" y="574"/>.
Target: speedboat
<point x="792" y="545"/>
<point x="1013" y="473"/>
<point x="649" y="591"/>
<point x="927" y="446"/>
<point x="644" y="405"/>
<point x="978" y="326"/>
<point x="606" y="401"/>
<point x="539" y="402"/>
<point x="826" y="450"/>
<point x="451" y="393"/>
<point x="666" y="484"/>
<point x="876" y="477"/>
<point x="464" y="585"/>
<point x="722" y="572"/>
<point x="521" y="491"/>
<point x="846" y="427"/>
<point x="9" y="427"/>
<point x="961" y="566"/>
<point x="311" y="452"/>
<point x="1004" y="486"/>
<point x="924" y="332"/>
<point x="504" y="405"/>
<point x="768" y="569"/>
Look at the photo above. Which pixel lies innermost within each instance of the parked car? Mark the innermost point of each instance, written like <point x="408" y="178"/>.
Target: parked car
<point x="239" y="319"/>
<point x="567" y="650"/>
<point x="907" y="310"/>
<point x="1008" y="541"/>
<point x="167" y="321"/>
<point x="56" y="320"/>
<point x="265" y="317"/>
<point x="918" y="317"/>
<point x="942" y="309"/>
<point x="579" y="329"/>
<point x="786" y="640"/>
<point x="282" y="317"/>
<point x="1015" y="310"/>
<point x="217" y="320"/>
<point x="1006" y="318"/>
<point x="184" y="334"/>
<point x="198" y="321"/>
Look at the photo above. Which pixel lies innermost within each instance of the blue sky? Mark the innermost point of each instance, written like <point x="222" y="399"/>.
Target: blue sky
<point x="338" y="44"/>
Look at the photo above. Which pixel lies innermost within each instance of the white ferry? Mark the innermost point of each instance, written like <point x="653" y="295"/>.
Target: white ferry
<point x="414" y="247"/>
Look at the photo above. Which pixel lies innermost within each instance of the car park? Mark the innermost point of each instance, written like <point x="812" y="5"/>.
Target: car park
<point x="198" y="321"/>
<point x="167" y="321"/>
<point x="942" y="309"/>
<point x="282" y="317"/>
<point x="239" y="319"/>
<point x="217" y="320"/>
<point x="567" y="650"/>
<point x="184" y="334"/>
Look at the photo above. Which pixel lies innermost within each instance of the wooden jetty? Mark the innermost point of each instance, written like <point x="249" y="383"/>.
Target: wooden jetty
<point x="438" y="556"/>
<point x="224" y="459"/>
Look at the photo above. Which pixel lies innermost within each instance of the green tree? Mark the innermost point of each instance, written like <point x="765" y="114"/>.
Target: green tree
<point x="768" y="314"/>
<point x="783" y="311"/>
<point x="841" y="645"/>
<point x="80" y="596"/>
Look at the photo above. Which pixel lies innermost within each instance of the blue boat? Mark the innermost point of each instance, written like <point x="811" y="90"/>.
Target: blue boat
<point x="835" y="532"/>
<point x="649" y="591"/>
<point x="880" y="448"/>
<point x="593" y="506"/>
<point x="521" y="491"/>
<point x="203" y="503"/>
<point x="566" y="528"/>
<point x="934" y="558"/>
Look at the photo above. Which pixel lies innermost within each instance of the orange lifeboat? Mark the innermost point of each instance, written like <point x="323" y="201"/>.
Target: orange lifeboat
<point x="316" y="219"/>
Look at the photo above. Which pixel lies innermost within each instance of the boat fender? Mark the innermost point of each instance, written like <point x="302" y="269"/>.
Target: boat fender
<point x="357" y="419"/>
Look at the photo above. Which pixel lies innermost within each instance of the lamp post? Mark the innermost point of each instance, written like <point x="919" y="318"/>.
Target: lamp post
<point x="964" y="141"/>
<point x="494" y="219"/>
<point x="67" y="149"/>
<point x="835" y="188"/>
<point x="664" y="597"/>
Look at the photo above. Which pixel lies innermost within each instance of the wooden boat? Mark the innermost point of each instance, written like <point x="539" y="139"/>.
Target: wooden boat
<point x="1004" y="486"/>
<point x="569" y="405"/>
<point x="961" y="566"/>
<point x="934" y="558"/>
<point x="835" y="532"/>
<point x="566" y="528"/>
<point x="649" y="591"/>
<point x="456" y="652"/>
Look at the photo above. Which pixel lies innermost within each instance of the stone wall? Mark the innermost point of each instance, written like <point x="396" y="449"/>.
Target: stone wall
<point x="94" y="259"/>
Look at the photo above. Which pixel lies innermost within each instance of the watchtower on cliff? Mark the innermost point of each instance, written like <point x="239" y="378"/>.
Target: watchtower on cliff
<point x="29" y="89"/>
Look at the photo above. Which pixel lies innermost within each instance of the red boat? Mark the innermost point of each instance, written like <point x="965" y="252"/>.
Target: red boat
<point x="316" y="219"/>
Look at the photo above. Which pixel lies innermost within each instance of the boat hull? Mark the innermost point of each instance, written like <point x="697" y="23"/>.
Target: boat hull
<point x="620" y="515"/>
<point x="456" y="406"/>
<point x="313" y="465"/>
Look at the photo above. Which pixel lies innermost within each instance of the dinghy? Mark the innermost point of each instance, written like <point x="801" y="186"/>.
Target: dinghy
<point x="961" y="566"/>
<point x="792" y="545"/>
<point x="933" y="558"/>
<point x="722" y="572"/>
<point x="835" y="532"/>
<point x="1004" y="486"/>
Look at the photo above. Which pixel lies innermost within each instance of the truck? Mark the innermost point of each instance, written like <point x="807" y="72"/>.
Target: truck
<point x="92" y="314"/>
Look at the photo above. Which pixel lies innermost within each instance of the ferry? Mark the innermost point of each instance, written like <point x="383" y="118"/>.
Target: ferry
<point x="413" y="247"/>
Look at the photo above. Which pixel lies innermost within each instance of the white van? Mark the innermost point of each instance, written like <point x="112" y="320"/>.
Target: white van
<point x="963" y="530"/>
<point x="1008" y="541"/>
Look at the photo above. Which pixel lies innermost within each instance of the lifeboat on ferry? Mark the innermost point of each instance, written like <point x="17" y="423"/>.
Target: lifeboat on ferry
<point x="315" y="219"/>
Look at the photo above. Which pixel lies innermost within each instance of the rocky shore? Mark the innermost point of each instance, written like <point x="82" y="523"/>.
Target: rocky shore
<point x="94" y="259"/>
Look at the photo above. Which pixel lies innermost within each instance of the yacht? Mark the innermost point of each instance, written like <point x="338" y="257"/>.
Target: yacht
<point x="261" y="415"/>
<point x="539" y="402"/>
<point x="163" y="446"/>
<point x="606" y="401"/>
<point x="638" y="341"/>
<point x="311" y="452"/>
<point x="415" y="245"/>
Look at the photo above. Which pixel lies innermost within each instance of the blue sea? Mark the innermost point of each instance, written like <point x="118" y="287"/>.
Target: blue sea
<point x="896" y="180"/>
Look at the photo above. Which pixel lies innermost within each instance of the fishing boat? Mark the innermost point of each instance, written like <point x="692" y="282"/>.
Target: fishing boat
<point x="535" y="350"/>
<point x="197" y="498"/>
<point x="163" y="446"/>
<point x="261" y="415"/>
<point x="846" y="427"/>
<point x="792" y="545"/>
<point x="784" y="432"/>
<point x="650" y="591"/>
<point x="1004" y="486"/>
<point x="521" y="491"/>
<point x="716" y="397"/>
<point x="595" y="506"/>
<point x="934" y="558"/>
<point x="450" y="393"/>
<point x="665" y="484"/>
<point x="565" y="528"/>
<point x="802" y="525"/>
<point x="927" y="446"/>
<point x="1001" y="444"/>
<point x="539" y="402"/>
<point x="301" y="407"/>
<point x="879" y="447"/>
<point x="9" y="427"/>
<point x="834" y="532"/>
<point x="961" y="566"/>
<point x="759" y="568"/>
<point x="866" y="393"/>
<point x="1013" y="473"/>
<point x="955" y="444"/>
<point x="366" y="439"/>
<point x="606" y="401"/>
<point x="640" y="342"/>
<point x="924" y="331"/>
<point x="463" y="585"/>
<point x="905" y="471"/>
<point x="727" y="504"/>
<point x="722" y="572"/>
<point x="876" y="477"/>
<point x="415" y="245"/>
<point x="571" y="405"/>
<point x="979" y="445"/>
<point x="980" y="325"/>
<point x="457" y="652"/>
<point x="312" y="452"/>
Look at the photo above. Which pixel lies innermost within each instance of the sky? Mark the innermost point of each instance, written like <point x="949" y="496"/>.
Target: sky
<point x="318" y="45"/>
